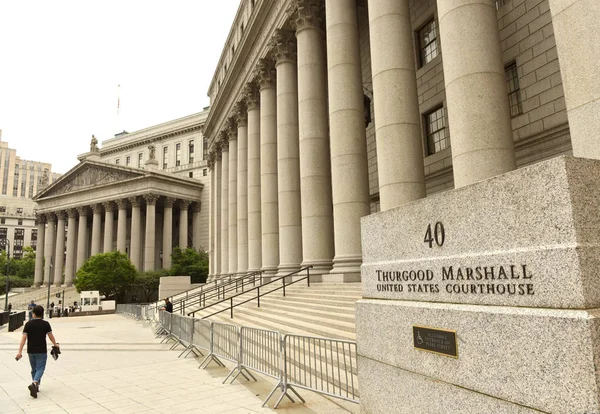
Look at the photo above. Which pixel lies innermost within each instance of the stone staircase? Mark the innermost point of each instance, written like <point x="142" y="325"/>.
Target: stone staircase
<point x="323" y="309"/>
<point x="40" y="295"/>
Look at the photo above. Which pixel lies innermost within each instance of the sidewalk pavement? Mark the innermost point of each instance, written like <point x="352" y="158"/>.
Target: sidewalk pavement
<point x="112" y="364"/>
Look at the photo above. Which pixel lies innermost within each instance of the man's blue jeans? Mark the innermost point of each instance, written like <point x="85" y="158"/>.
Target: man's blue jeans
<point x="38" y="365"/>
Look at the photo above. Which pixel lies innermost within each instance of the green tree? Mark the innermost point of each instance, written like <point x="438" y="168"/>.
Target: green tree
<point x="190" y="262"/>
<point x="148" y="282"/>
<point x="25" y="267"/>
<point x="111" y="273"/>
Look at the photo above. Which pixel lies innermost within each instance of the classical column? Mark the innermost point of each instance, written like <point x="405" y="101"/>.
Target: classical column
<point x="313" y="124"/>
<point x="252" y="95"/>
<point x="224" y="205"/>
<point x="398" y="126"/>
<point x="108" y="226"/>
<point x="349" y="169"/>
<point x="136" y="233"/>
<point x="218" y="213"/>
<point x="288" y="152"/>
<point x="82" y="238"/>
<point x="184" y="205"/>
<point x="212" y="216"/>
<point x="71" y="245"/>
<point x="39" y="251"/>
<point x="232" y="197"/>
<point x="575" y="25"/>
<point x="268" y="171"/>
<point x="122" y="225"/>
<point x="241" y="118"/>
<point x="49" y="248"/>
<point x="478" y="109"/>
<point x="96" y="229"/>
<point x="196" y="229"/>
<point x="59" y="255"/>
<point x="150" y="239"/>
<point x="167" y="245"/>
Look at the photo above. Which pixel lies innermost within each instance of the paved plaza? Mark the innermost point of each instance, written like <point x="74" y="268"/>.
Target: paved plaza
<point x="111" y="364"/>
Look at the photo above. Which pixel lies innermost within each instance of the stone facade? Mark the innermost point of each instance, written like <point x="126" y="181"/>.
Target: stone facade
<point x="366" y="118"/>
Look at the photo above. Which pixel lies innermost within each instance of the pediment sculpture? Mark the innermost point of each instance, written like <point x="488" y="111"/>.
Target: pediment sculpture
<point x="90" y="177"/>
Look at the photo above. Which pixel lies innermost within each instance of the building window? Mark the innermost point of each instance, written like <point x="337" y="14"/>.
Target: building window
<point x="204" y="148"/>
<point x="2" y="209"/>
<point x="117" y="161"/>
<point x="18" y="245"/>
<point x="191" y="174"/>
<point x="165" y="157"/>
<point x="19" y="210"/>
<point x="2" y="220"/>
<point x="437" y="133"/>
<point x="191" y="151"/>
<point x="34" y="239"/>
<point x="514" y="91"/>
<point x="31" y="181"/>
<point x="140" y="159"/>
<point x="20" y="222"/>
<point x="128" y="160"/>
<point x="178" y="154"/>
<point x="3" y="235"/>
<point x="428" y="43"/>
<point x="204" y="172"/>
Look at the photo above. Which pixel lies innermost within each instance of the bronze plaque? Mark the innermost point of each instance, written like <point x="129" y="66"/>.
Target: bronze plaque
<point x="439" y="341"/>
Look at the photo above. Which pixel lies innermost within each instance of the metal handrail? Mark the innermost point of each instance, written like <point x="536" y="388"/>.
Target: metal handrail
<point x="258" y="294"/>
<point x="179" y="305"/>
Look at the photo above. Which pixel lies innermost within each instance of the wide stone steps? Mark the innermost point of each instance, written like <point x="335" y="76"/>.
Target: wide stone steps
<point x="40" y="296"/>
<point x="325" y="310"/>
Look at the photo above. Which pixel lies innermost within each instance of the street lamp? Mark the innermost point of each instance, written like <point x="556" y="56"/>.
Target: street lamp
<point x="7" y="264"/>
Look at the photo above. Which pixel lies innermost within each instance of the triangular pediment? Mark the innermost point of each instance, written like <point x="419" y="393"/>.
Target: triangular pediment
<point x="88" y="175"/>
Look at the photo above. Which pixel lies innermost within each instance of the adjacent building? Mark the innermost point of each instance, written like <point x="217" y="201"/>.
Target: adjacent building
<point x="20" y="180"/>
<point x="324" y="111"/>
<point x="140" y="193"/>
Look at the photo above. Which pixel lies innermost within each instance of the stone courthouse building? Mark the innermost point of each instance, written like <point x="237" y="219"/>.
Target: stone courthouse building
<point x="324" y="111"/>
<point x="141" y="193"/>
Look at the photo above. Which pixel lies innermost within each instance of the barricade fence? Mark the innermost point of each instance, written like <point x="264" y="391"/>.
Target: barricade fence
<point x="16" y="320"/>
<point x="323" y="365"/>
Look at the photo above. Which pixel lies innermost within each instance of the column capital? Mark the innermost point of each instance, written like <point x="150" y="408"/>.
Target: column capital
<point x="252" y="96"/>
<point x="108" y="205"/>
<point x="121" y="203"/>
<point x="231" y="129"/>
<point x="96" y="208"/>
<point x="82" y="210"/>
<point x="283" y="46"/>
<point x="265" y="74"/>
<point x="50" y="217"/>
<point x="212" y="156"/>
<point x="224" y="141"/>
<point x="40" y="218"/>
<point x="240" y="113"/>
<point x="197" y="206"/>
<point x="61" y="215"/>
<point x="306" y="14"/>
<point x="72" y="213"/>
<point x="151" y="199"/>
<point x="184" y="204"/>
<point x="169" y="201"/>
<point x="134" y="201"/>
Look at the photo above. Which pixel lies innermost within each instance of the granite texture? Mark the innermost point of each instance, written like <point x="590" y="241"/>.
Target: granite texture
<point x="544" y="216"/>
<point x="388" y="389"/>
<point x="544" y="359"/>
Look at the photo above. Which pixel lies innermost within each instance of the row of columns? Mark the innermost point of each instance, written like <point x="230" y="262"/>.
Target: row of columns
<point x="306" y="136"/>
<point x="50" y="257"/>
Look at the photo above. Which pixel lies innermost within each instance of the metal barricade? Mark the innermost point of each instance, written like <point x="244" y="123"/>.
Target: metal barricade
<point x="326" y="366"/>
<point x="225" y="344"/>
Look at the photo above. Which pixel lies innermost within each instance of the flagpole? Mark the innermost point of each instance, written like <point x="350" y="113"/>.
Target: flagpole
<point x="118" y="129"/>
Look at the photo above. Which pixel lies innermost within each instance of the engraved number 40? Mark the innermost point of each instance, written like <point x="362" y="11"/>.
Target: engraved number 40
<point x="437" y="235"/>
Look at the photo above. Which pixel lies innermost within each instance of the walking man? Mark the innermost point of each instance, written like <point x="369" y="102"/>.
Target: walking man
<point x="34" y="333"/>
<point x="30" y="309"/>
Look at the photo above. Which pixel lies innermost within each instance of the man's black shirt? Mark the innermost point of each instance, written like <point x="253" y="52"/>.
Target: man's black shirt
<point x="169" y="307"/>
<point x="36" y="330"/>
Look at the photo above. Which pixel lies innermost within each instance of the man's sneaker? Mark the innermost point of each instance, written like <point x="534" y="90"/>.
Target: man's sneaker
<point x="33" y="390"/>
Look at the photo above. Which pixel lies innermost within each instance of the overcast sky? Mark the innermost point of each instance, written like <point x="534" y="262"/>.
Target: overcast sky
<point x="61" y="62"/>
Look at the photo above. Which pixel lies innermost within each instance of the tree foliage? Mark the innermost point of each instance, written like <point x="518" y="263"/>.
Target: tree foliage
<point x="111" y="273"/>
<point x="148" y="282"/>
<point x="190" y="262"/>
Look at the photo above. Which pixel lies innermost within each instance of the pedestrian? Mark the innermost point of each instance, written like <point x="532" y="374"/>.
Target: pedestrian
<point x="168" y="306"/>
<point x="34" y="333"/>
<point x="30" y="308"/>
<point x="9" y="307"/>
<point x="50" y="313"/>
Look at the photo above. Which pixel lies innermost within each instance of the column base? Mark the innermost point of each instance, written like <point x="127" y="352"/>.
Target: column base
<point x="286" y="269"/>
<point x="36" y="285"/>
<point x="319" y="269"/>
<point x="346" y="269"/>
<point x="269" y="273"/>
<point x="66" y="285"/>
